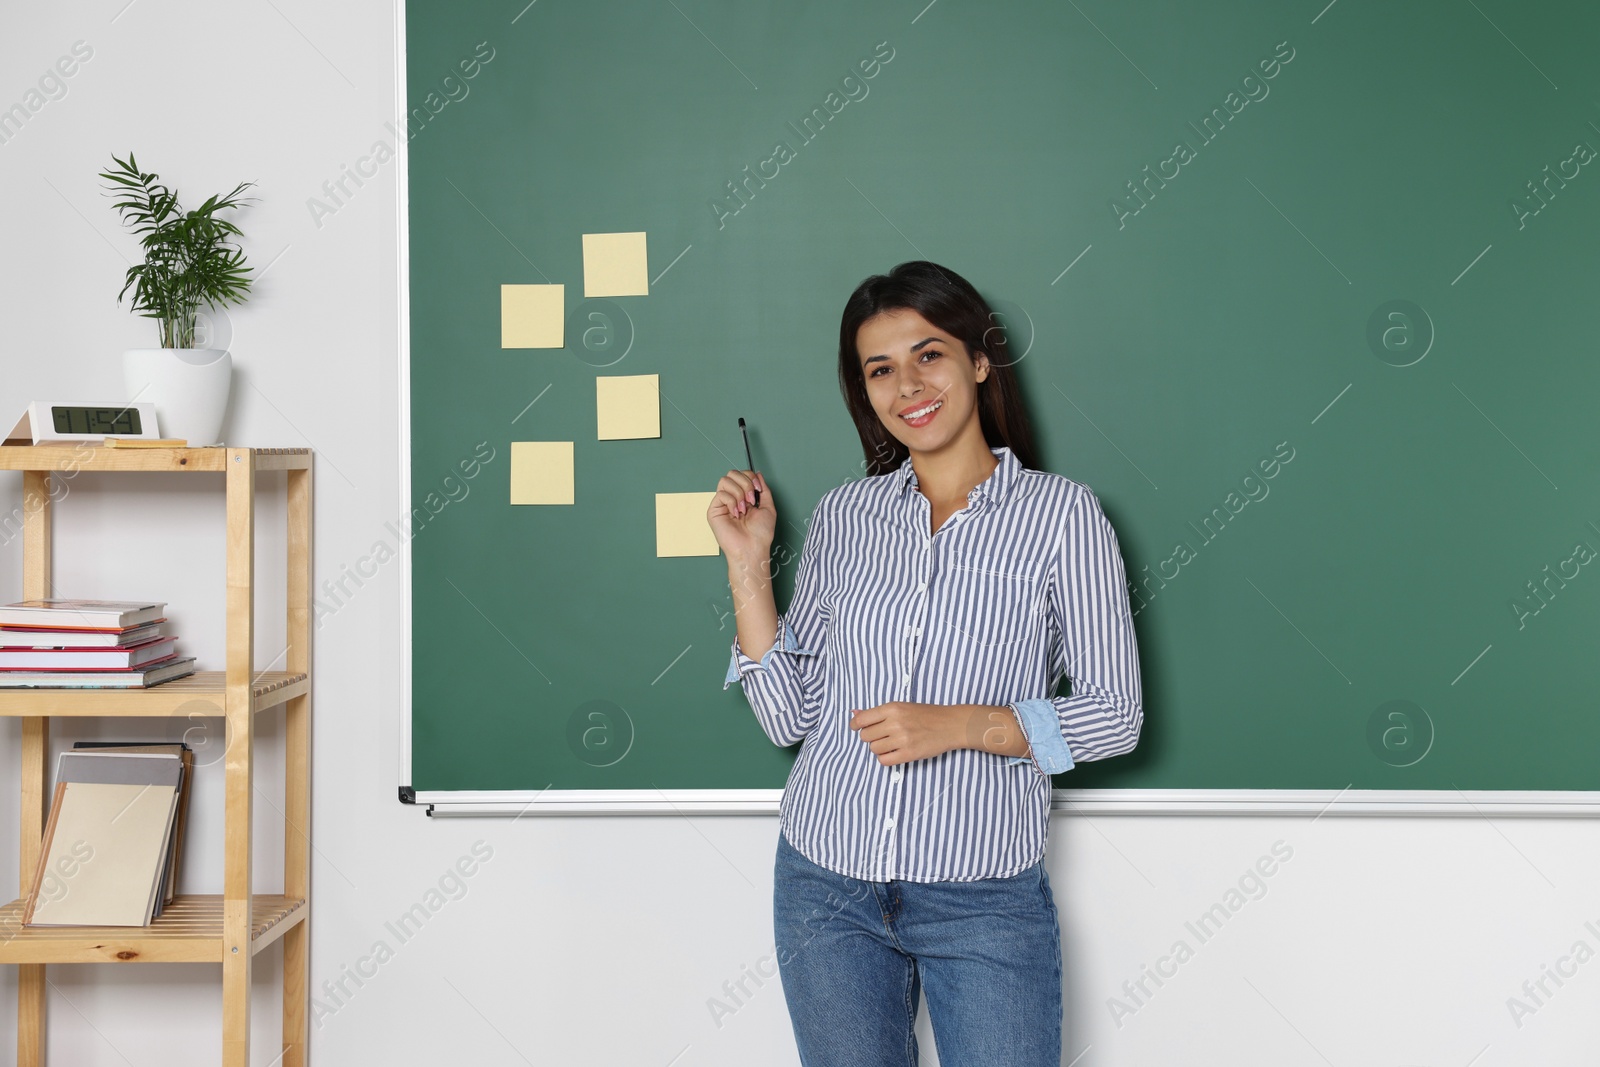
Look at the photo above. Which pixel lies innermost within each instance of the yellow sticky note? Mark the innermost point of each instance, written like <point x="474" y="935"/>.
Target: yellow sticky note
<point x="532" y="316"/>
<point x="681" y="526"/>
<point x="615" y="264"/>
<point x="541" y="472"/>
<point x="628" y="406"/>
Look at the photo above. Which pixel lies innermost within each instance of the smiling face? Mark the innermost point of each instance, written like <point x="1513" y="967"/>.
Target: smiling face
<point x="908" y="365"/>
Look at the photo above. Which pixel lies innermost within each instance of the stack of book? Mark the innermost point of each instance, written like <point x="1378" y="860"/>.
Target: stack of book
<point x="115" y="834"/>
<point x="87" y="644"/>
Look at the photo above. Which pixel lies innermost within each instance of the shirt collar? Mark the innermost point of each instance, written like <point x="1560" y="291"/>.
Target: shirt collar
<point x="993" y="488"/>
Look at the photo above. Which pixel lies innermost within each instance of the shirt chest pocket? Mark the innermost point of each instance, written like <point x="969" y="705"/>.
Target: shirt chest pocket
<point x="987" y="605"/>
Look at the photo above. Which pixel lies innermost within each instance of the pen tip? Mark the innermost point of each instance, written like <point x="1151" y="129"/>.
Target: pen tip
<point x="741" y="423"/>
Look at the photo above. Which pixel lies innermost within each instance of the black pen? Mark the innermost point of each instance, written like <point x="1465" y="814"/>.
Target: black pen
<point x="747" y="458"/>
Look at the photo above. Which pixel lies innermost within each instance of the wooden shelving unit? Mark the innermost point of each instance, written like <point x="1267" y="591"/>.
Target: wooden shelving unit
<point x="232" y="927"/>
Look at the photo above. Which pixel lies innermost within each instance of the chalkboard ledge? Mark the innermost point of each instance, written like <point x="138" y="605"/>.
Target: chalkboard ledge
<point x="1311" y="804"/>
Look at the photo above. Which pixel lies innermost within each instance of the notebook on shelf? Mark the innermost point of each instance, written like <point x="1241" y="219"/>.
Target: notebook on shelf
<point x="137" y="678"/>
<point x="114" y="637"/>
<point x="108" y="840"/>
<point x="169" y="878"/>
<point x="77" y="613"/>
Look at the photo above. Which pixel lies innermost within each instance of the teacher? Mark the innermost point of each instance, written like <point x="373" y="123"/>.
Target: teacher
<point x="938" y="604"/>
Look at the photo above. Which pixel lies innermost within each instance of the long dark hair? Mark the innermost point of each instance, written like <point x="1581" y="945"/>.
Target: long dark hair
<point x="950" y="302"/>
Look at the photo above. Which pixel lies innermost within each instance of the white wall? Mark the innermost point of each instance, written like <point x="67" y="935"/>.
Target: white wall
<point x="590" y="940"/>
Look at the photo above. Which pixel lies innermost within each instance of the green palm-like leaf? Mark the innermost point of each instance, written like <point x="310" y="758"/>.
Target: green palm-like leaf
<point x="190" y="258"/>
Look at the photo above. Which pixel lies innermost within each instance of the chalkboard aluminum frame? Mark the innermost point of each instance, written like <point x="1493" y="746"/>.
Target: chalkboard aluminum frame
<point x="516" y="803"/>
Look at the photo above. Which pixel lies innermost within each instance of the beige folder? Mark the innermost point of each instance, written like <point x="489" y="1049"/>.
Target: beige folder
<point x="103" y="855"/>
<point x="145" y="764"/>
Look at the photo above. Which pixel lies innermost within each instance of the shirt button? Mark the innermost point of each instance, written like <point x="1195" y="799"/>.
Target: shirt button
<point x="895" y="777"/>
<point x="889" y="821"/>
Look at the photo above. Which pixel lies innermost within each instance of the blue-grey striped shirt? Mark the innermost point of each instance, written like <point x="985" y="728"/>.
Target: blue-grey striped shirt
<point x="1022" y="587"/>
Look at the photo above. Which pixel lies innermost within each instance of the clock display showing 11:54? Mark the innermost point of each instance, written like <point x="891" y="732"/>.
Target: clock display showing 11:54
<point x="95" y="420"/>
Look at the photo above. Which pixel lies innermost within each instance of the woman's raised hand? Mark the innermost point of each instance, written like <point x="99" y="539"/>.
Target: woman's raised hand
<point x="743" y="530"/>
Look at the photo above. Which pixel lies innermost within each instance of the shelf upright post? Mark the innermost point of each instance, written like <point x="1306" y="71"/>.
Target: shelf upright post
<point x="239" y="710"/>
<point x="36" y="562"/>
<point x="297" y="768"/>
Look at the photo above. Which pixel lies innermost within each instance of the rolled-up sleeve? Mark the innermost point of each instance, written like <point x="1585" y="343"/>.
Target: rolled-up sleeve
<point x="784" y="687"/>
<point x="1095" y="646"/>
<point x="1041" y="725"/>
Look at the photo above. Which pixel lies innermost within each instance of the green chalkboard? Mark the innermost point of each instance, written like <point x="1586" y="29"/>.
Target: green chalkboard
<point x="1355" y="247"/>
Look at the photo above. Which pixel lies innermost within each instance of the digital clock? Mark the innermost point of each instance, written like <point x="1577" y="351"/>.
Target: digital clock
<point x="51" y="422"/>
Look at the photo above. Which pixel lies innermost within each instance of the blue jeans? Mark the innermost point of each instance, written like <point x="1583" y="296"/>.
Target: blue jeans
<point x="853" y="955"/>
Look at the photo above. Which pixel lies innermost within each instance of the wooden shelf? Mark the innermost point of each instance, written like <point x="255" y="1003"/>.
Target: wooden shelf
<point x="232" y="927"/>
<point x="188" y="931"/>
<point x="93" y="457"/>
<point x="199" y="694"/>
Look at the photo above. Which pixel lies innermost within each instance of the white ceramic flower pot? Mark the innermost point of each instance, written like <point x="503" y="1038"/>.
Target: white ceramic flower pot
<point x="188" y="386"/>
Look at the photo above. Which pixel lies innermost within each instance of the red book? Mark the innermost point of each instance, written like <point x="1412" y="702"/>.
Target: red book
<point x="43" y="637"/>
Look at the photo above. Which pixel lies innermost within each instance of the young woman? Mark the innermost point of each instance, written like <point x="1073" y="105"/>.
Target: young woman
<point x="938" y="604"/>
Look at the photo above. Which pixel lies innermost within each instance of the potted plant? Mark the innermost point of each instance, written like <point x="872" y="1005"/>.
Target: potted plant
<point x="191" y="262"/>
